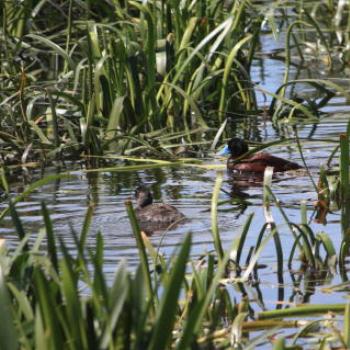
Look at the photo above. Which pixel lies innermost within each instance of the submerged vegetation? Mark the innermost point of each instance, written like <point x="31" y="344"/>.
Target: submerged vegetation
<point x="97" y="80"/>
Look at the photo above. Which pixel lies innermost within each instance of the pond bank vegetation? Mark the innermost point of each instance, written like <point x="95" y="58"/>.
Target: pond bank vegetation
<point x="129" y="78"/>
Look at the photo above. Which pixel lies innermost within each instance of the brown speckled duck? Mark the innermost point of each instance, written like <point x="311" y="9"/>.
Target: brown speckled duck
<point x="155" y="216"/>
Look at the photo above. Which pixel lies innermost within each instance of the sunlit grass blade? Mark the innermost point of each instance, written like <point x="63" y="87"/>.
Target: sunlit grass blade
<point x="100" y="289"/>
<point x="255" y="257"/>
<point x="226" y="75"/>
<point x="214" y="214"/>
<point x="302" y="310"/>
<point x="158" y="259"/>
<point x="86" y="227"/>
<point x="236" y="330"/>
<point x="329" y="248"/>
<point x="347" y="325"/>
<point x="280" y="344"/>
<point x="3" y="180"/>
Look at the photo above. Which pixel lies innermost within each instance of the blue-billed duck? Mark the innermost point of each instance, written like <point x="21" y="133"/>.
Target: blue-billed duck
<point x="255" y="163"/>
<point x="155" y="216"/>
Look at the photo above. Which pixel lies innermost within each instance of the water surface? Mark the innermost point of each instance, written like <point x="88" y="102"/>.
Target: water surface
<point x="190" y="190"/>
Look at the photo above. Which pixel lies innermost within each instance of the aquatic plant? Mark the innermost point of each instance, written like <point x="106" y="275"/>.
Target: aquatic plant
<point x="111" y="76"/>
<point x="128" y="77"/>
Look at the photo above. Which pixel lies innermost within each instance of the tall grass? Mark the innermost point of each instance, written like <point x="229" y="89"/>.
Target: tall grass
<point x="88" y="79"/>
<point x="93" y="78"/>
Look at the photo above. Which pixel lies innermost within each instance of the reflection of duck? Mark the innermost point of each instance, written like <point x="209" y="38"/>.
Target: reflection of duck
<point x="155" y="216"/>
<point x="256" y="163"/>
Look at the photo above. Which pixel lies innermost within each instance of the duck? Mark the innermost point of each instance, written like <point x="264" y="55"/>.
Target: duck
<point x="236" y="148"/>
<point x="155" y="216"/>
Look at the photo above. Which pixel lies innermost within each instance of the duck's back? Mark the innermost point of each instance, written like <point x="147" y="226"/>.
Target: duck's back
<point x="159" y="213"/>
<point x="260" y="161"/>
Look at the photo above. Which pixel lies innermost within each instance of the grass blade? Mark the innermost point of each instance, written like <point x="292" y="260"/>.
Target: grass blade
<point x="8" y="333"/>
<point x="51" y="244"/>
<point x="167" y="310"/>
<point x="214" y="216"/>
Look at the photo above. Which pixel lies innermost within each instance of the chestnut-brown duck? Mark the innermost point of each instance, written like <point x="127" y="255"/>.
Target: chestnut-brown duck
<point x="255" y="163"/>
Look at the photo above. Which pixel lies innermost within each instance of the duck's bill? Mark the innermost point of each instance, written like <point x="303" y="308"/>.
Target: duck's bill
<point x="223" y="152"/>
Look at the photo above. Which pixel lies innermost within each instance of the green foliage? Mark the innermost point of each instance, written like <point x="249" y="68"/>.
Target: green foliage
<point x="60" y="298"/>
<point x="91" y="77"/>
<point x="129" y="77"/>
<point x="88" y="78"/>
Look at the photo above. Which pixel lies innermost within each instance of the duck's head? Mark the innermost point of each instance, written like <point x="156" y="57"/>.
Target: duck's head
<point x="235" y="147"/>
<point x="143" y="196"/>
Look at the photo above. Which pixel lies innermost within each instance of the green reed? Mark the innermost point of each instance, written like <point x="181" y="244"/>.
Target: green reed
<point x="92" y="80"/>
<point x="97" y="79"/>
<point x="344" y="167"/>
<point x="62" y="299"/>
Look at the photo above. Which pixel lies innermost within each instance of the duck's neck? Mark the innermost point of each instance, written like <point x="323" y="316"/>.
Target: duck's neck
<point x="143" y="202"/>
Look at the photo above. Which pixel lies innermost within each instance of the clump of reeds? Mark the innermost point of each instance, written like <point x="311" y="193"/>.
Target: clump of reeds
<point x="114" y="76"/>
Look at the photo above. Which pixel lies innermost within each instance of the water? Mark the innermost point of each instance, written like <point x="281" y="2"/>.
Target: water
<point x="190" y="190"/>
